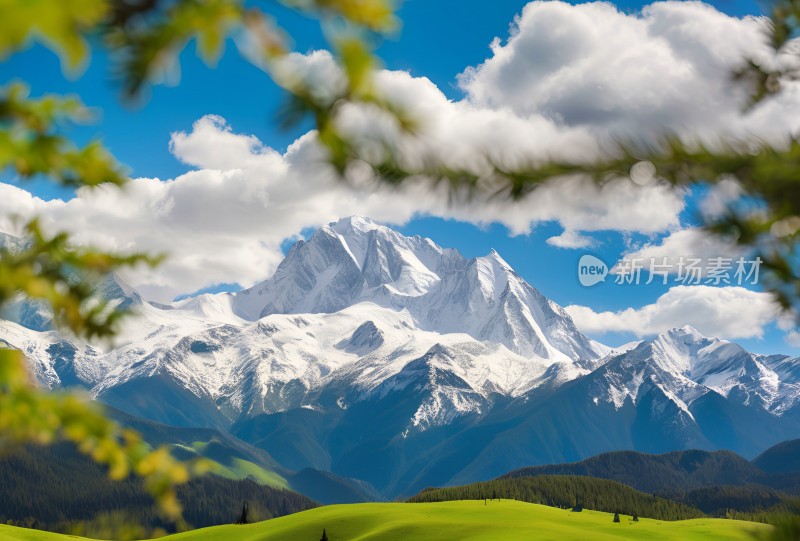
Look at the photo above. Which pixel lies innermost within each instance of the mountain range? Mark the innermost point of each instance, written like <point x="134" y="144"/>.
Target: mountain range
<point x="389" y="359"/>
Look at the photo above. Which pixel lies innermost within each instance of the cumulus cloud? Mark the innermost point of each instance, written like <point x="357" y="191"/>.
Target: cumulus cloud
<point x="720" y="197"/>
<point x="792" y="338"/>
<point x="666" y="68"/>
<point x="571" y="240"/>
<point x="679" y="248"/>
<point x="725" y="312"/>
<point x="224" y="222"/>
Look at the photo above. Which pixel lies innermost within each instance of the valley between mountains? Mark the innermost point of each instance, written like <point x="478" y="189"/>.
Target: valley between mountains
<point x="401" y="364"/>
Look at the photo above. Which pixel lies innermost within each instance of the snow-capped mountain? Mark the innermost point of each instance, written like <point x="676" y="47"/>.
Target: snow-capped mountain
<point x="356" y="260"/>
<point x="390" y="359"/>
<point x="686" y="365"/>
<point x="357" y="302"/>
<point x="344" y="263"/>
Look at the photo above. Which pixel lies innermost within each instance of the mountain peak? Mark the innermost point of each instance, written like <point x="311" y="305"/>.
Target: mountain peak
<point x="680" y="345"/>
<point x="356" y="260"/>
<point x="687" y="334"/>
<point x="114" y="288"/>
<point x="354" y="224"/>
<point x="494" y="256"/>
<point x="688" y="329"/>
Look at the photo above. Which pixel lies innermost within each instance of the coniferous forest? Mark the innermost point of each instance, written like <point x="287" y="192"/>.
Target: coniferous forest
<point x="746" y="502"/>
<point x="57" y="489"/>
<point x="567" y="492"/>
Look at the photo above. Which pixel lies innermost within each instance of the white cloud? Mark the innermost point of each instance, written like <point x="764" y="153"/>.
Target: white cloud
<point x="720" y="197"/>
<point x="225" y="221"/>
<point x="792" y="338"/>
<point x="667" y="67"/>
<point x="212" y="145"/>
<point x="724" y="312"/>
<point x="680" y="247"/>
<point x="571" y="240"/>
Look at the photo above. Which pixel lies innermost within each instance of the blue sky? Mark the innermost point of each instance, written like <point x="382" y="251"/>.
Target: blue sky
<point x="439" y="40"/>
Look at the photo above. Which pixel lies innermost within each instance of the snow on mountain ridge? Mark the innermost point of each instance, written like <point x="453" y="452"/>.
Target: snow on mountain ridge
<point x="360" y="312"/>
<point x="686" y="365"/>
<point x="356" y="260"/>
<point x="343" y="263"/>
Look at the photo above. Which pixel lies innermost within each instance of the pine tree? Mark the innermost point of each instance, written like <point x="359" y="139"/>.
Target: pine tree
<point x="616" y="517"/>
<point x="324" y="535"/>
<point x="245" y="512"/>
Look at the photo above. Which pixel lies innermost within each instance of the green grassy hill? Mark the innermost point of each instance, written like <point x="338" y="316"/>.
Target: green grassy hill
<point x="464" y="520"/>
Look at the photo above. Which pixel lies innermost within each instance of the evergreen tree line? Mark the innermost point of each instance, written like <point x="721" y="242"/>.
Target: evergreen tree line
<point x="719" y="483"/>
<point x="57" y="489"/>
<point x="749" y="502"/>
<point x="672" y="475"/>
<point x="752" y="502"/>
<point x="567" y="491"/>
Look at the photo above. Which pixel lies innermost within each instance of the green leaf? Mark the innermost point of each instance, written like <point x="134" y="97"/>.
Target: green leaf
<point x="60" y="25"/>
